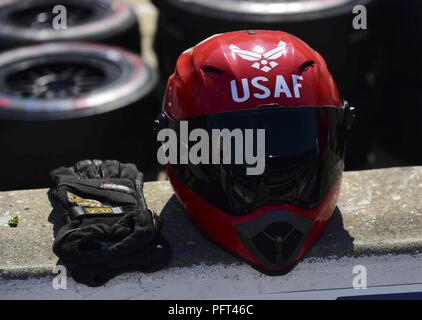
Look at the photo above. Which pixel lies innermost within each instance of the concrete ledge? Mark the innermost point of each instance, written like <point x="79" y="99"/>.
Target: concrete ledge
<point x="380" y="212"/>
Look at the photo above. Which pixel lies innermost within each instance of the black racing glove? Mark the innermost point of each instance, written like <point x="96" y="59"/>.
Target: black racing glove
<point x="108" y="228"/>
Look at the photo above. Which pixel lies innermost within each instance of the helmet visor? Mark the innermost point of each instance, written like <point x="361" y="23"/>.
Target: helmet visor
<point x="301" y="161"/>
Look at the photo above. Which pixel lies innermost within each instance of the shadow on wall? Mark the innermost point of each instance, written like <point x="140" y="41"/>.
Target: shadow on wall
<point x="336" y="241"/>
<point x="189" y="245"/>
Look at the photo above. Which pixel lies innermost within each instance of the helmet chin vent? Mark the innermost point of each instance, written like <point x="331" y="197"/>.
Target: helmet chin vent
<point x="278" y="242"/>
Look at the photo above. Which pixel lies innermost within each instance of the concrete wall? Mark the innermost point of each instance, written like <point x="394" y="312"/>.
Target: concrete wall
<point x="378" y="224"/>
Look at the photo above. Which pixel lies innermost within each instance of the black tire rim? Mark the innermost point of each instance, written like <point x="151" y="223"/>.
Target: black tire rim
<point x="62" y="78"/>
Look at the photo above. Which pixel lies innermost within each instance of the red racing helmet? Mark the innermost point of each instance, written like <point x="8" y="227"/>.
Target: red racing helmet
<point x="267" y="80"/>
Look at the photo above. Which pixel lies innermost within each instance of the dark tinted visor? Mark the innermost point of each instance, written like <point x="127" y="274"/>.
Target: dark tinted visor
<point x="303" y="158"/>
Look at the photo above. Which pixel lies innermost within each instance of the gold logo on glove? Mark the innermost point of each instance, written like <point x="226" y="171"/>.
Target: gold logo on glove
<point x="79" y="201"/>
<point x="99" y="210"/>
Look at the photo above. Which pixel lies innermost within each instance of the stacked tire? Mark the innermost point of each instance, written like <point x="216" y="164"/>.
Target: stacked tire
<point x="66" y="95"/>
<point x="324" y="25"/>
<point x="398" y="81"/>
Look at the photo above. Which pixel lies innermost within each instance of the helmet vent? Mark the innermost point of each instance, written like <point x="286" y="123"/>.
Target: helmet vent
<point x="278" y="242"/>
<point x="177" y="76"/>
<point x="214" y="70"/>
<point x="305" y="66"/>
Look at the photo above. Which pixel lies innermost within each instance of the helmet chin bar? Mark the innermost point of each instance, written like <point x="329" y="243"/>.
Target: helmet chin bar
<point x="275" y="238"/>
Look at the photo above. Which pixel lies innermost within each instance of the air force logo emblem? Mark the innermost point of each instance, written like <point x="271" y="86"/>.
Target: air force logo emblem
<point x="263" y="61"/>
<point x="258" y="87"/>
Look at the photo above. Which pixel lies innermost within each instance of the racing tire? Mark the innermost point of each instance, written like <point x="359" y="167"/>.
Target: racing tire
<point x="63" y="102"/>
<point x="398" y="81"/>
